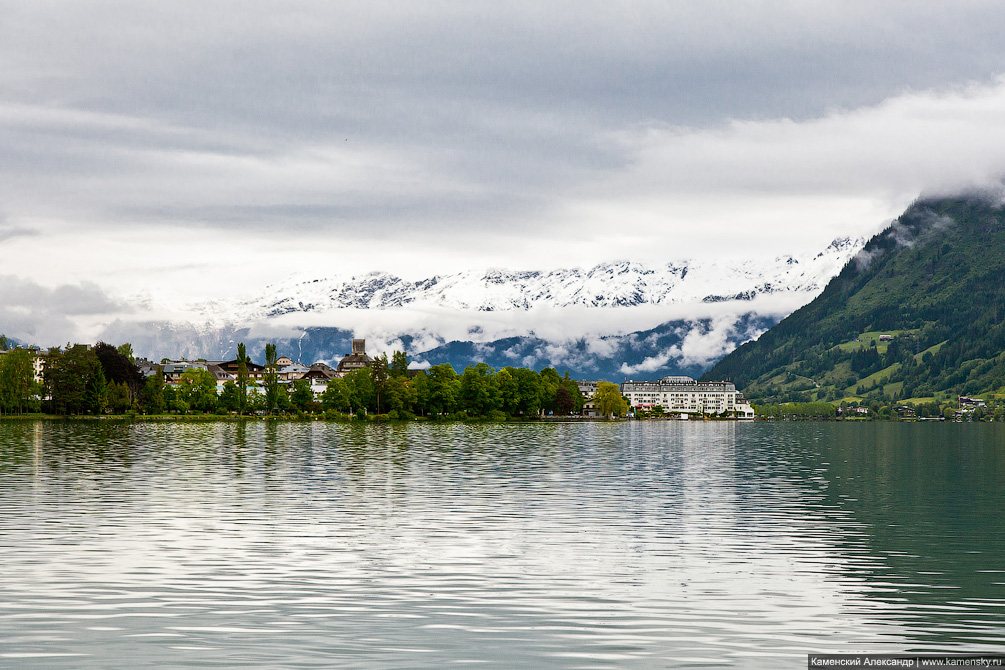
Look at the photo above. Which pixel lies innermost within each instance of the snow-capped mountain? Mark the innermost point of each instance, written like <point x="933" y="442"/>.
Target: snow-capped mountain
<point x="612" y="320"/>
<point x="617" y="284"/>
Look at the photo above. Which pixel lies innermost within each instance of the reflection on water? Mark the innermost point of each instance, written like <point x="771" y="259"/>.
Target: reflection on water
<point x="565" y="545"/>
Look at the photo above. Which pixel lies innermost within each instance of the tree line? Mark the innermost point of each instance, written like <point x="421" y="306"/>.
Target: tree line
<point x="105" y="379"/>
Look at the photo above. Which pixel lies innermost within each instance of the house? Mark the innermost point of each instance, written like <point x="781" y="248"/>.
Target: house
<point x="965" y="401"/>
<point x="255" y="371"/>
<point x="319" y="373"/>
<point x="587" y="388"/>
<point x="357" y="360"/>
<point x="173" y="370"/>
<point x="292" y="371"/>
<point x="324" y="367"/>
<point x="283" y="361"/>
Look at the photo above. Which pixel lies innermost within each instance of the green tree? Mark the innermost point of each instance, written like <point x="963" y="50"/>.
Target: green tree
<point x="479" y="392"/>
<point x="302" y="397"/>
<point x="361" y="384"/>
<point x="4" y="343"/>
<point x="400" y="395"/>
<point x="399" y="365"/>
<point x="230" y="397"/>
<point x="550" y="381"/>
<point x="18" y="390"/>
<point x="609" y="400"/>
<point x="172" y="399"/>
<point x="197" y="388"/>
<point x="532" y="391"/>
<point x="419" y="388"/>
<point x="119" y="398"/>
<point x="340" y="396"/>
<point x="271" y="379"/>
<point x="573" y="388"/>
<point x="443" y="389"/>
<point x="74" y="381"/>
<point x="152" y="394"/>
<point x="378" y="376"/>
<point x="509" y="391"/>
<point x="242" y="378"/>
<point x="126" y="350"/>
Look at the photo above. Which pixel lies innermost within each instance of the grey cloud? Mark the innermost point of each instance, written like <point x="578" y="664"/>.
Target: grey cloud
<point x="498" y="109"/>
<point x="26" y="296"/>
<point x="10" y="232"/>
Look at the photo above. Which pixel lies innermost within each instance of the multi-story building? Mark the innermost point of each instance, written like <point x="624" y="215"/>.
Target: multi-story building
<point x="684" y="395"/>
<point x="356" y="360"/>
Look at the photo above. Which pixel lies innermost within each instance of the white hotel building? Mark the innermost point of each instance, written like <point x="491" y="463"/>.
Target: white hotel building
<point x="684" y="395"/>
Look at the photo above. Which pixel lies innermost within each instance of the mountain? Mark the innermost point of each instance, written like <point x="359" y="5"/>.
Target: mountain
<point x="619" y="284"/>
<point x="919" y="311"/>
<point x="610" y="321"/>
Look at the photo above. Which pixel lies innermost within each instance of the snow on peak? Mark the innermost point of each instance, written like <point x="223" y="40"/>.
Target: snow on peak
<point x="613" y="284"/>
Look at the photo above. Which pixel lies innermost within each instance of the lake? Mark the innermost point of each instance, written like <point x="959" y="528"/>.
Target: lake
<point x="628" y="545"/>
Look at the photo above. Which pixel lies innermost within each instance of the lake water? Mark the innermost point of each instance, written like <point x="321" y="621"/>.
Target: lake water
<point x="642" y="545"/>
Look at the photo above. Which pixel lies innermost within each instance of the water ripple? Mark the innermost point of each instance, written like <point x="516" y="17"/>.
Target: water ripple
<point x="580" y="546"/>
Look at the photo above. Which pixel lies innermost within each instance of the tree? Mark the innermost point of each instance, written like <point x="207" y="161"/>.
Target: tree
<point x="479" y="392"/>
<point x="419" y="389"/>
<point x="152" y="394"/>
<point x="339" y="396"/>
<point x="573" y="388"/>
<point x="197" y="388"/>
<point x="119" y="368"/>
<point x="399" y="394"/>
<point x="242" y="378"/>
<point x="550" y="381"/>
<point x="564" y="402"/>
<point x="4" y="343"/>
<point x="609" y="400"/>
<point x="18" y="389"/>
<point x="173" y="401"/>
<point x="399" y="365"/>
<point x="531" y="391"/>
<point x="119" y="397"/>
<point x="509" y="391"/>
<point x="74" y="380"/>
<point x="443" y="389"/>
<point x="361" y="384"/>
<point x="378" y="375"/>
<point x="302" y="396"/>
<point x="230" y="397"/>
<point x="271" y="379"/>
<point x="126" y="350"/>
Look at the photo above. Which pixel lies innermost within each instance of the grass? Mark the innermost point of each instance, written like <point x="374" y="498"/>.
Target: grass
<point x="934" y="349"/>
<point x="873" y="379"/>
<point x="873" y="336"/>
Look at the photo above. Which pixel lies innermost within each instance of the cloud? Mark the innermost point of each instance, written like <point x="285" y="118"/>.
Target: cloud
<point x="197" y="148"/>
<point x="49" y="316"/>
<point x="703" y="343"/>
<point x="439" y="117"/>
<point x="9" y="232"/>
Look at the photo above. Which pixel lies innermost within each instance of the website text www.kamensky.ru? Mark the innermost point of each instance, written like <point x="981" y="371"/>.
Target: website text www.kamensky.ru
<point x="905" y="661"/>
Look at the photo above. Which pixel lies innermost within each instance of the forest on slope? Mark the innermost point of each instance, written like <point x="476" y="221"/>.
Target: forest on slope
<point x="917" y="314"/>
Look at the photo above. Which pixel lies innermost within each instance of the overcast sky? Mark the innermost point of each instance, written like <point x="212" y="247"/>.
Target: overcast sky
<point x="204" y="148"/>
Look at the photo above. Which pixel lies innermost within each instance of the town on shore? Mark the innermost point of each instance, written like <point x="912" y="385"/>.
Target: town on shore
<point x="102" y="380"/>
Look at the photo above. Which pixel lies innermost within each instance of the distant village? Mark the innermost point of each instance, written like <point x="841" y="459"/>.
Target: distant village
<point x="96" y="379"/>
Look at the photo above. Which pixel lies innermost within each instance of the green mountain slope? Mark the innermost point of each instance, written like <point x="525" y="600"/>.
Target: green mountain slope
<point x="918" y="312"/>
